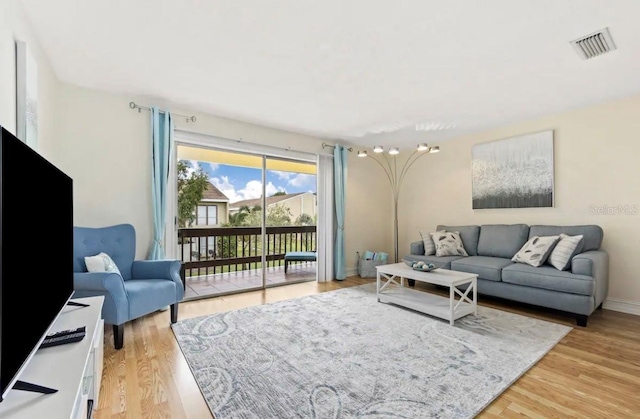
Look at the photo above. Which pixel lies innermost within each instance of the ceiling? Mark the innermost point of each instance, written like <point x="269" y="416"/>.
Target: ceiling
<point x="347" y="69"/>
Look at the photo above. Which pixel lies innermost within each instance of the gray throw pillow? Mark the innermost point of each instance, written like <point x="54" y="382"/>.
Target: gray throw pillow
<point x="429" y="246"/>
<point x="536" y="250"/>
<point x="448" y="243"/>
<point x="564" y="251"/>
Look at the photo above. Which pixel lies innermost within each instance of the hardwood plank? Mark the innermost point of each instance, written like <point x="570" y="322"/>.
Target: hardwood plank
<point x="593" y="372"/>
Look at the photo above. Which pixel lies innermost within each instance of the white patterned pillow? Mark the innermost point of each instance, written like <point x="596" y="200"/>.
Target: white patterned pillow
<point x="565" y="250"/>
<point x="429" y="246"/>
<point x="448" y="243"/>
<point x="101" y="262"/>
<point x="536" y="251"/>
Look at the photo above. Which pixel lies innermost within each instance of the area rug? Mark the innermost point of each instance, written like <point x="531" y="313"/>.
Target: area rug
<point x="341" y="354"/>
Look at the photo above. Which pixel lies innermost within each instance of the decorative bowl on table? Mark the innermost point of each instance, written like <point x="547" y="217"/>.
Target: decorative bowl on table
<point x="420" y="265"/>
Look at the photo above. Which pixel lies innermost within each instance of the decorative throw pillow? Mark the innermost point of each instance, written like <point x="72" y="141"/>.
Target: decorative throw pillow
<point x="448" y="243"/>
<point x="101" y="262"/>
<point x="536" y="251"/>
<point x="565" y="250"/>
<point x="429" y="246"/>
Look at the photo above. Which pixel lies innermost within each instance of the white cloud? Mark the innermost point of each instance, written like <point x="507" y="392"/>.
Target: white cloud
<point x="302" y="179"/>
<point x="282" y="175"/>
<point x="252" y="190"/>
<point x="213" y="166"/>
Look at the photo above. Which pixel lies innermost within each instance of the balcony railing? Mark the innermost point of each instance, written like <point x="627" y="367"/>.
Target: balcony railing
<point x="211" y="250"/>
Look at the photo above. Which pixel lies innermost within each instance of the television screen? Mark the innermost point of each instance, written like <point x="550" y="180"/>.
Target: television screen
<point x="36" y="252"/>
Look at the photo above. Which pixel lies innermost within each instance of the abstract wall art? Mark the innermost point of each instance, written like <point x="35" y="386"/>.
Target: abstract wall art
<point x="515" y="172"/>
<point x="26" y="95"/>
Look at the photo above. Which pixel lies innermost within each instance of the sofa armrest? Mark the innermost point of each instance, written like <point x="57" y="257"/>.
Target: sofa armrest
<point x="594" y="263"/>
<point x="159" y="269"/>
<point x="417" y="248"/>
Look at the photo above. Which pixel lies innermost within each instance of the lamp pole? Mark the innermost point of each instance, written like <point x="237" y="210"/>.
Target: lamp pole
<point x="390" y="167"/>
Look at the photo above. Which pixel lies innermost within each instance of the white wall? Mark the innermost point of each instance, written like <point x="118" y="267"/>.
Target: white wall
<point x="15" y="26"/>
<point x="106" y="148"/>
<point x="597" y="163"/>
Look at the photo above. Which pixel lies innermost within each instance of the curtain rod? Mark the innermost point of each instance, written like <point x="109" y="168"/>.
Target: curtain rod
<point x="188" y="118"/>
<point x="325" y="145"/>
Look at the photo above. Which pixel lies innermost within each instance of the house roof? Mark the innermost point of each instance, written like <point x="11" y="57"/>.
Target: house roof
<point x="213" y="193"/>
<point x="258" y="201"/>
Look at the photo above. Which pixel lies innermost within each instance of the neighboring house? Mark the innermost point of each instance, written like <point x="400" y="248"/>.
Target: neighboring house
<point x="212" y="210"/>
<point x="298" y="203"/>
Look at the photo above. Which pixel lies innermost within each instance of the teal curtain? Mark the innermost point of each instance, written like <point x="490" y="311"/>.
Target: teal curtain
<point x="162" y="138"/>
<point x="340" y="188"/>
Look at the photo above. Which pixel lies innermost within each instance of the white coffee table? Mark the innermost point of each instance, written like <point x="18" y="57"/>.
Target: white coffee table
<point x="448" y="308"/>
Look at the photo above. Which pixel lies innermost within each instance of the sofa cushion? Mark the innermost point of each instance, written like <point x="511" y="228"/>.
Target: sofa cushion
<point x="448" y="243"/>
<point x="502" y="240"/>
<point x="536" y="251"/>
<point x="427" y="243"/>
<point x="469" y="235"/>
<point x="548" y="277"/>
<point x="440" y="262"/>
<point x="146" y="295"/>
<point x="592" y="239"/>
<point x="565" y="250"/>
<point x="486" y="267"/>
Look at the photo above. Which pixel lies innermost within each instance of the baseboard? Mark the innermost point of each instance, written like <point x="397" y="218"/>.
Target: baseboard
<point x="629" y="307"/>
<point x="352" y="272"/>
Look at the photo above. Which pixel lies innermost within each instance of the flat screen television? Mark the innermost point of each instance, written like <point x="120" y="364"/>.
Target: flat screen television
<point x="36" y="255"/>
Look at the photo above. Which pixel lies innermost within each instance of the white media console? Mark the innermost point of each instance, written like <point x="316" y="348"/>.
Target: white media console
<point x="74" y="369"/>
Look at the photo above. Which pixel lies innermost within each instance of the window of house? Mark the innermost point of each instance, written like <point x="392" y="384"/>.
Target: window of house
<point x="207" y="215"/>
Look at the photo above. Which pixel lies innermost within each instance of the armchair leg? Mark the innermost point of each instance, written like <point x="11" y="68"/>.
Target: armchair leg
<point x="174" y="313"/>
<point x="118" y="335"/>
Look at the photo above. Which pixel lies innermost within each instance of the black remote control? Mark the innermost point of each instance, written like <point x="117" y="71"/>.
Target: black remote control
<point x="66" y="332"/>
<point x="65" y="338"/>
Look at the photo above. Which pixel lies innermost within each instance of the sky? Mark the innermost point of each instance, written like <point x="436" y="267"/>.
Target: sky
<point x="239" y="183"/>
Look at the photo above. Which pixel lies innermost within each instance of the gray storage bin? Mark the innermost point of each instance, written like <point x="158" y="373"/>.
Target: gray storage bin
<point x="367" y="268"/>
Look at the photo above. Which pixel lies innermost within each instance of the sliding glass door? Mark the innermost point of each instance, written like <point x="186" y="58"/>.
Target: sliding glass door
<point x="290" y="221"/>
<point x="245" y="221"/>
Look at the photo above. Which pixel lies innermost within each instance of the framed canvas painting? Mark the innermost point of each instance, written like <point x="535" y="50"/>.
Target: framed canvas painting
<point x="515" y="172"/>
<point x="26" y="96"/>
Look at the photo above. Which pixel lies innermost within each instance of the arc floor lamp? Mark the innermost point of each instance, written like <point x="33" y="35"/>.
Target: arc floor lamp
<point x="396" y="175"/>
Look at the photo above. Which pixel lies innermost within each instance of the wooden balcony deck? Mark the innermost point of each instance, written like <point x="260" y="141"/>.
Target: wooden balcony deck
<point x="232" y="282"/>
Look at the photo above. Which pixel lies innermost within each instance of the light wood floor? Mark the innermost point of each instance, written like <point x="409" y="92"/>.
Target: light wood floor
<point x="593" y="372"/>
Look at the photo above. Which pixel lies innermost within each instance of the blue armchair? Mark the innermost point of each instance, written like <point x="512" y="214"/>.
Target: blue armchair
<point x="143" y="287"/>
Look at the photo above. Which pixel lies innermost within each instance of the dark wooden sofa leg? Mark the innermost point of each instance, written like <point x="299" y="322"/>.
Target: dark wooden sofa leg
<point x="286" y="265"/>
<point x="174" y="313"/>
<point x="600" y="306"/>
<point x="412" y="282"/>
<point x="118" y="335"/>
<point x="581" y="320"/>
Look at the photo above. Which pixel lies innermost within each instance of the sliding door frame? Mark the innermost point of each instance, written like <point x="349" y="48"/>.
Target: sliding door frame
<point x="234" y="146"/>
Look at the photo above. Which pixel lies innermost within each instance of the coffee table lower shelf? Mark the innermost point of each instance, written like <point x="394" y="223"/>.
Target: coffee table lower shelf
<point x="424" y="302"/>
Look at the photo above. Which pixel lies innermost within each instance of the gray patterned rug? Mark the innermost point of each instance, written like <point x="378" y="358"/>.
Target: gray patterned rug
<point x="341" y="354"/>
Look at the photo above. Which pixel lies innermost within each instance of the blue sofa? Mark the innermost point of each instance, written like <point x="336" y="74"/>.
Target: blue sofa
<point x="143" y="287"/>
<point x="580" y="290"/>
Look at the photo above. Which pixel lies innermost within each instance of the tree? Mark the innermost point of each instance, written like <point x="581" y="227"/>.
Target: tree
<point x="279" y="193"/>
<point x="191" y="187"/>
<point x="277" y="215"/>
<point x="305" y="220"/>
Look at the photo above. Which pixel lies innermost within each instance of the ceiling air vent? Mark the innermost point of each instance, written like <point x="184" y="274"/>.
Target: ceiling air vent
<point x="591" y="46"/>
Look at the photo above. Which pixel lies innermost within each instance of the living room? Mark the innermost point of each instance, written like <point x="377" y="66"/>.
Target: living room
<point x="297" y="77"/>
